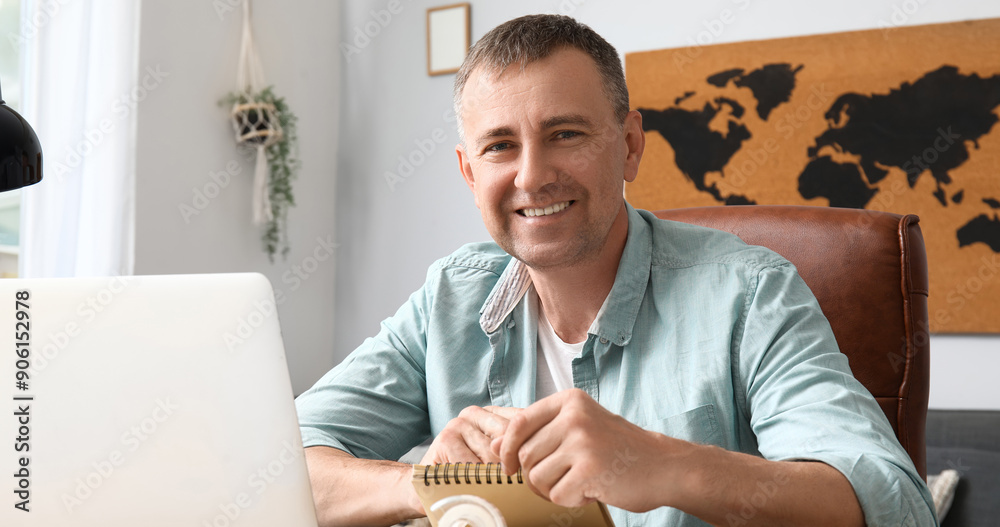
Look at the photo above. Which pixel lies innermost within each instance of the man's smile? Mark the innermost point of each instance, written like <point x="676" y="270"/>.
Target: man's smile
<point x="546" y="211"/>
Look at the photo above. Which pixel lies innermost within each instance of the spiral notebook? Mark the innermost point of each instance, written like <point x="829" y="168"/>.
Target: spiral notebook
<point x="519" y="505"/>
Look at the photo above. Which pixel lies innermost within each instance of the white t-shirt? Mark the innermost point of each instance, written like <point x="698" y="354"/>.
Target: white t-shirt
<point x="554" y="358"/>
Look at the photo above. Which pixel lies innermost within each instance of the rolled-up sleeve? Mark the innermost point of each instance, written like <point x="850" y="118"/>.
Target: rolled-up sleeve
<point x="373" y="405"/>
<point x="805" y="404"/>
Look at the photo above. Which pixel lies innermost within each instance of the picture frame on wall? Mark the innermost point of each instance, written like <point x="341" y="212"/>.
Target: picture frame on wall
<point x="448" y="37"/>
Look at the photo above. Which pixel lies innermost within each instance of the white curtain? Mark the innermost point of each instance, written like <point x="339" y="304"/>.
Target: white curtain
<point x="80" y="95"/>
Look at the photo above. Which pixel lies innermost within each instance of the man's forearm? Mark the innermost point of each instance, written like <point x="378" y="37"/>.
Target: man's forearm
<point x="730" y="488"/>
<point x="352" y="491"/>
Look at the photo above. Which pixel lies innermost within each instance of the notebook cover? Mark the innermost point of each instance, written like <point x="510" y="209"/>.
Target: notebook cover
<point x="511" y="495"/>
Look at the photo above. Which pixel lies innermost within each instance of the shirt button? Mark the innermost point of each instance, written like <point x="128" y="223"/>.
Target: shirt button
<point x="604" y="340"/>
<point x="497" y="382"/>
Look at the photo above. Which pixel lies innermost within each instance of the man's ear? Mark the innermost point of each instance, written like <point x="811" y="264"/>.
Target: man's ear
<point x="465" y="166"/>
<point x="635" y="141"/>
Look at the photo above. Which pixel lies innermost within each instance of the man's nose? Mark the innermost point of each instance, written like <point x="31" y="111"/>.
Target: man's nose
<point x="535" y="170"/>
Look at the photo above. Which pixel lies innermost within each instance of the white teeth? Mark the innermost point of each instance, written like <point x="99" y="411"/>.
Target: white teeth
<point x="551" y="209"/>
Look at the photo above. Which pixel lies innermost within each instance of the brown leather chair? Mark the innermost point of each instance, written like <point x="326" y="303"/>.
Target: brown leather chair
<point x="868" y="270"/>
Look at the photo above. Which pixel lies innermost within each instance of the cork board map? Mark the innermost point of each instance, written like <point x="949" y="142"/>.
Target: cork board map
<point x="901" y="120"/>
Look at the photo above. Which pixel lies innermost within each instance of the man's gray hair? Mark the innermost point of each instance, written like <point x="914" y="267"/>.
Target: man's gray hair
<point x="534" y="37"/>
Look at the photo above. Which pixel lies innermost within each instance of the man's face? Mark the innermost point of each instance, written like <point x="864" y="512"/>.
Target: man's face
<point x="547" y="159"/>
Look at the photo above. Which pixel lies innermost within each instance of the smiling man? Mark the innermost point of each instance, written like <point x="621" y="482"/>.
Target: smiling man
<point x="670" y="371"/>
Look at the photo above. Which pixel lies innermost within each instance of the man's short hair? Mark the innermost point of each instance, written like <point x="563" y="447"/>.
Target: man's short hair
<point x="533" y="37"/>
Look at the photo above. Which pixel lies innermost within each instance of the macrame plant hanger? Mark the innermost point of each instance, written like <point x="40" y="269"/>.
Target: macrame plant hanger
<point x="255" y="121"/>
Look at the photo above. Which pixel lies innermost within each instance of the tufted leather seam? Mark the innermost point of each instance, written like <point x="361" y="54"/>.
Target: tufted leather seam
<point x="908" y="322"/>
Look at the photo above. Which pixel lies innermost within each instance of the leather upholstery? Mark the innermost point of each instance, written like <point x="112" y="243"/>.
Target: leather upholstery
<point x="868" y="269"/>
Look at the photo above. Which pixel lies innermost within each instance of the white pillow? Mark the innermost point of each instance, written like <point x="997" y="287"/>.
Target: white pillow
<point x="942" y="488"/>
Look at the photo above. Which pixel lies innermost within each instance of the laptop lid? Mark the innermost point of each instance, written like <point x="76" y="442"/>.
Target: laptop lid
<point x="147" y="400"/>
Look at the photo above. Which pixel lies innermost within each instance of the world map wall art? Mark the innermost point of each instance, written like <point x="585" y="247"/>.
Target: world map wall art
<point x="901" y="119"/>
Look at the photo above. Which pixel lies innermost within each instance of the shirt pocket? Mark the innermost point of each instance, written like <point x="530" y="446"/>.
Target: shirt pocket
<point x="698" y="425"/>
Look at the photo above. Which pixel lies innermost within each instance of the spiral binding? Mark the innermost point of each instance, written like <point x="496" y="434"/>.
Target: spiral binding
<point x="456" y="472"/>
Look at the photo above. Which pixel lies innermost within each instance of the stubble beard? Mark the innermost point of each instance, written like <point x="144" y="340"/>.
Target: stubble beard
<point x="583" y="246"/>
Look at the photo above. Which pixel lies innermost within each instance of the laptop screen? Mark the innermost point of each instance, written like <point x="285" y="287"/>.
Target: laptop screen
<point x="149" y="400"/>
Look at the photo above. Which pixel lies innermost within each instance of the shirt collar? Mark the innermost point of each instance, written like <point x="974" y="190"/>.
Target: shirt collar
<point x="514" y="282"/>
<point x="617" y="316"/>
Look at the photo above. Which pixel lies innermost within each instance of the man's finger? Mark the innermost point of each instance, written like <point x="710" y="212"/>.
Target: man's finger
<point x="491" y="424"/>
<point x="540" y="446"/>
<point x="570" y="490"/>
<point x="496" y="445"/>
<point x="542" y="477"/>
<point x="523" y="425"/>
<point x="450" y="453"/>
<point x="479" y="444"/>
<point x="504" y="411"/>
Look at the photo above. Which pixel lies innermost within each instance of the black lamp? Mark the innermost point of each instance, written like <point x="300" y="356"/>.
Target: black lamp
<point x="20" y="151"/>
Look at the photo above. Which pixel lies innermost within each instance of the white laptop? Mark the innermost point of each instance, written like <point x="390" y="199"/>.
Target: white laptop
<point x="149" y="400"/>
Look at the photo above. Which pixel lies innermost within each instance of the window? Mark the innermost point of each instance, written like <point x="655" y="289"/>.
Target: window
<point x="10" y="87"/>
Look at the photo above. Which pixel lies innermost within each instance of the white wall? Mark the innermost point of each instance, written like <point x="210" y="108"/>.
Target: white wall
<point x="390" y="105"/>
<point x="184" y="136"/>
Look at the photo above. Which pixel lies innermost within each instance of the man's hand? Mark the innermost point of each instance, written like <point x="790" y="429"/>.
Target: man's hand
<point x="575" y="452"/>
<point x="467" y="437"/>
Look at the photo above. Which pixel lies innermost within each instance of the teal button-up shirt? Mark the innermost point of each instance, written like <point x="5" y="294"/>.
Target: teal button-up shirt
<point x="702" y="338"/>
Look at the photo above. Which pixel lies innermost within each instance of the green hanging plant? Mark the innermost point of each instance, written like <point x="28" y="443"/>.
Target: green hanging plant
<point x="264" y="121"/>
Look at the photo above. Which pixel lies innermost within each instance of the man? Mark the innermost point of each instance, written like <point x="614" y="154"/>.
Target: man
<point x="670" y="371"/>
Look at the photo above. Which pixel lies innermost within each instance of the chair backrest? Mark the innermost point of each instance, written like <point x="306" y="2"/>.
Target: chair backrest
<point x="868" y="270"/>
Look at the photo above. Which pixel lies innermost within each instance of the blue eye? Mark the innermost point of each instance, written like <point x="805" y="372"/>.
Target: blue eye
<point x="567" y="134"/>
<point x="499" y="147"/>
